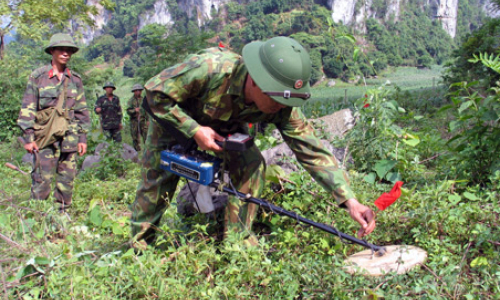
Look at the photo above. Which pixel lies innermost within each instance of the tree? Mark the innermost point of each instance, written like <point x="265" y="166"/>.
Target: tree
<point x="107" y="46"/>
<point x="34" y="19"/>
<point x="151" y="35"/>
<point x="483" y="40"/>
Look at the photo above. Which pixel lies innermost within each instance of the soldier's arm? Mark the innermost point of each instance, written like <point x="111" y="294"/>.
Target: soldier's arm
<point x="131" y="107"/>
<point x="26" y="119"/>
<point x="120" y="112"/>
<point x="314" y="157"/>
<point x="82" y="116"/>
<point x="168" y="90"/>
<point x="98" y="104"/>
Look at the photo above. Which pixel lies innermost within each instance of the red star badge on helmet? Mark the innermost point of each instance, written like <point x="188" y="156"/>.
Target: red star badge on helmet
<point x="298" y="84"/>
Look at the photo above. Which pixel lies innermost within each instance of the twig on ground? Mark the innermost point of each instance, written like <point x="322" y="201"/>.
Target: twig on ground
<point x="11" y="242"/>
<point x="494" y="243"/>
<point x="430" y="158"/>
<point x="437" y="277"/>
<point x="4" y="284"/>
<point x="460" y="273"/>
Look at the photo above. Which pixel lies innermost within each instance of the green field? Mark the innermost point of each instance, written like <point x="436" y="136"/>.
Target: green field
<point x="326" y="100"/>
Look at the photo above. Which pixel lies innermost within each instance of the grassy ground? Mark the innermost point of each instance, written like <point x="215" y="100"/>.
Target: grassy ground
<point x="44" y="255"/>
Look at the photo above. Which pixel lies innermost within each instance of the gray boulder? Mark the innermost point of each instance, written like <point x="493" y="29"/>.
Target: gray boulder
<point x="127" y="153"/>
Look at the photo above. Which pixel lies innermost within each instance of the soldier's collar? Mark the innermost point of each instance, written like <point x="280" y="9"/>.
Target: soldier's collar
<point x="66" y="72"/>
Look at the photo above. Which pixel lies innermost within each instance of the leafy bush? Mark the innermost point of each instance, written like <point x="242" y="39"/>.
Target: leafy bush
<point x="476" y="128"/>
<point x="377" y="143"/>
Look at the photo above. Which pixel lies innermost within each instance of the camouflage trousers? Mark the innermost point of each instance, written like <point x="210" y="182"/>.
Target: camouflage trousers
<point x="48" y="161"/>
<point x="138" y="132"/>
<point x="114" y="134"/>
<point x="157" y="187"/>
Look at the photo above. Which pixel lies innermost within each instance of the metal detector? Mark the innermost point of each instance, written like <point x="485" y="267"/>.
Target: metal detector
<point x="205" y="169"/>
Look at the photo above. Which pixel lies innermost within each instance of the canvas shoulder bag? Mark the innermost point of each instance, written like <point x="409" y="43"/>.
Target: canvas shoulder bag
<point x="52" y="123"/>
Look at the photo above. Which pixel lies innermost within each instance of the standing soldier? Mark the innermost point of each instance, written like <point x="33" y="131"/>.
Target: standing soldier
<point x="47" y="86"/>
<point x="108" y="106"/>
<point x="138" y="121"/>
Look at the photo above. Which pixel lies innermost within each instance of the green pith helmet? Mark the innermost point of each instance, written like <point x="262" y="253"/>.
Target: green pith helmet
<point x="109" y="84"/>
<point x="281" y="68"/>
<point x="137" y="87"/>
<point x="61" y="40"/>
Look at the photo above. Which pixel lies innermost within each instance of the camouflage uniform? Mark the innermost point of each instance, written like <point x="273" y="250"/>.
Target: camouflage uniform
<point x="138" y="121"/>
<point x="42" y="92"/>
<point x="207" y="90"/>
<point x="111" y="116"/>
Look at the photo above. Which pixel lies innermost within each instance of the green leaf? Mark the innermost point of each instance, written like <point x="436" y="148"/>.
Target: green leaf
<point x="42" y="260"/>
<point x="349" y="37"/>
<point x="412" y="142"/>
<point x="393" y="177"/>
<point x="274" y="173"/>
<point x="382" y="167"/>
<point x="25" y="271"/>
<point x="370" y="178"/>
<point x="454" y="198"/>
<point x="117" y="228"/>
<point x="479" y="261"/>
<point x="355" y="55"/>
<point x="465" y="106"/>
<point x="470" y="196"/>
<point x="454" y="125"/>
<point x="391" y="105"/>
<point x="95" y="216"/>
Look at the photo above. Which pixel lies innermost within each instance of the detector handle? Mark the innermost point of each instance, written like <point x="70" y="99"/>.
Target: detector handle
<point x="236" y="142"/>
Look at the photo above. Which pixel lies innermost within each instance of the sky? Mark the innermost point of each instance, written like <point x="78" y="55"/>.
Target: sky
<point x="4" y="20"/>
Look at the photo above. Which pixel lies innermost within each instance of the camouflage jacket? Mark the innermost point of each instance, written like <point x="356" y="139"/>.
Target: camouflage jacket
<point x="207" y="90"/>
<point x="111" y="112"/>
<point x="132" y="104"/>
<point x="43" y="91"/>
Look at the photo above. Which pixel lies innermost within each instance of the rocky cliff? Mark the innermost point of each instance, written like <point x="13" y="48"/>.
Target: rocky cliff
<point x="345" y="11"/>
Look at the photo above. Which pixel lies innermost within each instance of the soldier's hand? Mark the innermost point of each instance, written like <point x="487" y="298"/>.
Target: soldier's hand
<point x="30" y="147"/>
<point x="205" y="137"/>
<point x="363" y="215"/>
<point x="98" y="110"/>
<point x="82" y="148"/>
<point x="137" y="109"/>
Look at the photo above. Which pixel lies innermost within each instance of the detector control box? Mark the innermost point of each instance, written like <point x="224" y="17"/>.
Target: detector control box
<point x="195" y="166"/>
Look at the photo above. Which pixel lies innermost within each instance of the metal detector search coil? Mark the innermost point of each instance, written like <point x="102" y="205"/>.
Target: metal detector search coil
<point x="194" y="166"/>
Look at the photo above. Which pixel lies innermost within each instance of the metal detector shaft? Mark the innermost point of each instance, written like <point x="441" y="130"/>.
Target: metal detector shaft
<point x="293" y="215"/>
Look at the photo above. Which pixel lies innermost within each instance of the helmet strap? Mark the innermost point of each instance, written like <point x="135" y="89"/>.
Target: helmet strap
<point x="287" y="94"/>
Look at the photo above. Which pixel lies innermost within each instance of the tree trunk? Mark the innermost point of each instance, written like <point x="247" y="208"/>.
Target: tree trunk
<point x="2" y="45"/>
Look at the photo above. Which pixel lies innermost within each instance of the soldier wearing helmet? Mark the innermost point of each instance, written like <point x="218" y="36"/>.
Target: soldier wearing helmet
<point x="215" y="93"/>
<point x="109" y="108"/>
<point x="138" y="118"/>
<point x="46" y="87"/>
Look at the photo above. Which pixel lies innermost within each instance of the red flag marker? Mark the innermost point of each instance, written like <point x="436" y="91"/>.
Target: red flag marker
<point x="221" y="45"/>
<point x="386" y="199"/>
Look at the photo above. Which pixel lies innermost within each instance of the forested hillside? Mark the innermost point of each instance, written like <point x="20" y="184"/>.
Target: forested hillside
<point x="337" y="51"/>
